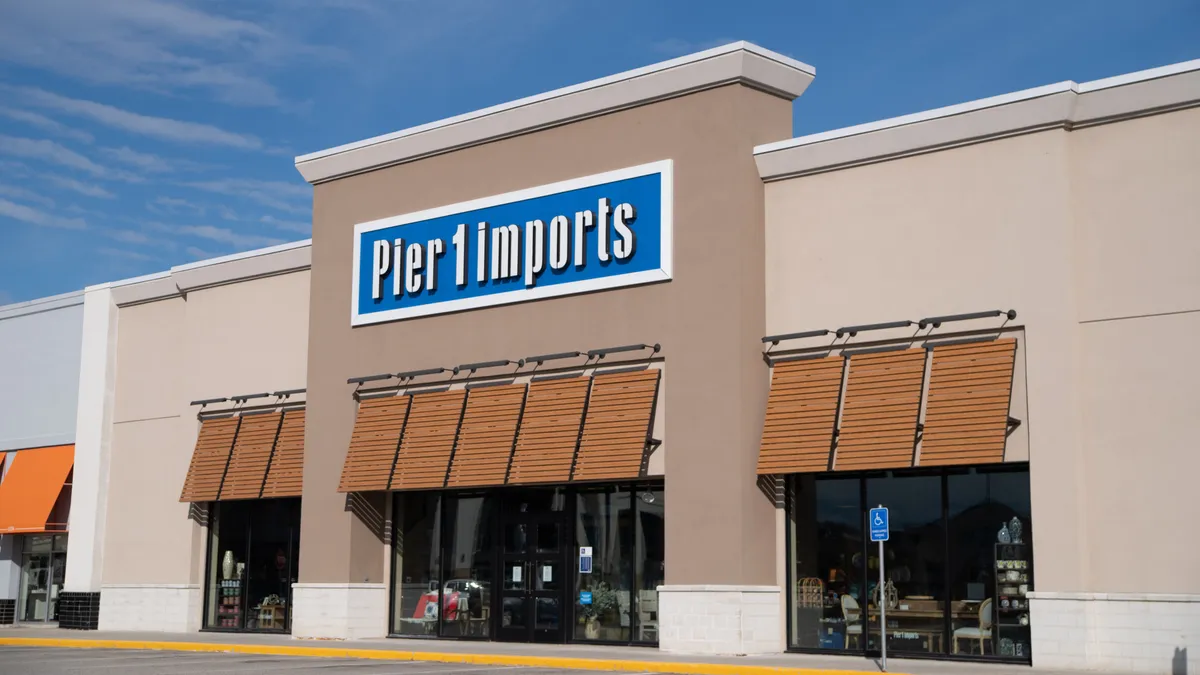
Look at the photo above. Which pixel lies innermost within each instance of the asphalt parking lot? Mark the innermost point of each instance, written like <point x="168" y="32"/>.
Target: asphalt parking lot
<point x="59" y="661"/>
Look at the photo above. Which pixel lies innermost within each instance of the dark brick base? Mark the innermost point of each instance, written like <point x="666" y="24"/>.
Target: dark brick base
<point x="8" y="612"/>
<point x="79" y="611"/>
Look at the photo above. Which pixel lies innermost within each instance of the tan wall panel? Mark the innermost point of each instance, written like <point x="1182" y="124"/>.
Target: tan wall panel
<point x="241" y="338"/>
<point x="1137" y="208"/>
<point x="151" y="371"/>
<point x="1141" y="421"/>
<point x="718" y="390"/>
<point x="148" y="536"/>
<point x="986" y="226"/>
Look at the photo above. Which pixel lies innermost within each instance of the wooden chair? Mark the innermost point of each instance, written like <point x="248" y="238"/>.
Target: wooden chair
<point x="982" y="632"/>
<point x="853" y="618"/>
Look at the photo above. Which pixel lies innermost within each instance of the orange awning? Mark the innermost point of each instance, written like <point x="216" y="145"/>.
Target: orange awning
<point x="31" y="487"/>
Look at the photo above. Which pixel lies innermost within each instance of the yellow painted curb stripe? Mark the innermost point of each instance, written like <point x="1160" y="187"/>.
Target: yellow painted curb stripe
<point x="563" y="662"/>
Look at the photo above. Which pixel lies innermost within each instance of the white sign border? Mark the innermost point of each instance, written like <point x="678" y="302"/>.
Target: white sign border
<point x="663" y="273"/>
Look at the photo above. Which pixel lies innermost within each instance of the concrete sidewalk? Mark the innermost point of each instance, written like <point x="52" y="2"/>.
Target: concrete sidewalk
<point x="581" y="657"/>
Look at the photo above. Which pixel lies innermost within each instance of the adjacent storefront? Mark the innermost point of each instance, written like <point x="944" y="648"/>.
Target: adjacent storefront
<point x="39" y="358"/>
<point x="516" y="387"/>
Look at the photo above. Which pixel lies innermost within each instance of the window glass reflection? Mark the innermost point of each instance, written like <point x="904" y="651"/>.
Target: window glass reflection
<point x="467" y="592"/>
<point x="416" y="582"/>
<point x="990" y="580"/>
<point x="604" y="521"/>
<point x="649" y="557"/>
<point x="826" y="576"/>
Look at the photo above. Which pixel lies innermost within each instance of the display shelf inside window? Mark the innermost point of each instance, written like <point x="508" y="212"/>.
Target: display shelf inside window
<point x="229" y="608"/>
<point x="1014" y="582"/>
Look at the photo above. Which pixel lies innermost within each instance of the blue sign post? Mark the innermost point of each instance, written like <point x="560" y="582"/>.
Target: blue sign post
<point x="877" y="523"/>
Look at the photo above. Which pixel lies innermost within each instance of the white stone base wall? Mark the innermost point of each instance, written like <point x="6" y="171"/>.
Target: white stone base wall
<point x="167" y="608"/>
<point x="725" y="620"/>
<point x="339" y="611"/>
<point x="1117" y="632"/>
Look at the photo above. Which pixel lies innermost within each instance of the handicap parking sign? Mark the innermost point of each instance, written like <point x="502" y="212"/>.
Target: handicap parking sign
<point x="878" y="520"/>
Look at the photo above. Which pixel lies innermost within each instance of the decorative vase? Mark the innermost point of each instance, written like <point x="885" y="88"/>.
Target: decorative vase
<point x="227" y="566"/>
<point x="1015" y="528"/>
<point x="592" y="628"/>
<point x="241" y="568"/>
<point x="1003" y="535"/>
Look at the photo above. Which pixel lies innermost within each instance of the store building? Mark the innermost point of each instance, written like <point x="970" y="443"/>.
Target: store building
<point x="625" y="363"/>
<point x="39" y="367"/>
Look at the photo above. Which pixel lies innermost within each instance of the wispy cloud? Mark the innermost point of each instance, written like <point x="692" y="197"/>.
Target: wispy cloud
<point x="46" y="124"/>
<point x="278" y="195"/>
<point x="218" y="234"/>
<point x="141" y="160"/>
<point x="289" y="225"/>
<point x="198" y="253"/>
<point x="25" y="195"/>
<point x="124" y="253"/>
<point x="38" y="217"/>
<point x="160" y="46"/>
<point x="162" y="128"/>
<point x="6" y="298"/>
<point x="86" y="189"/>
<point x="49" y="151"/>
<point x="174" y="206"/>
<point x="128" y="236"/>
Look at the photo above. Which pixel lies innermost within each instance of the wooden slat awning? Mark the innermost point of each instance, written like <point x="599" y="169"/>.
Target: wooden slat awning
<point x="966" y="416"/>
<point x="285" y="476"/>
<point x="801" y="415"/>
<point x="429" y="436"/>
<point x="251" y="454"/>
<point x="549" y="431"/>
<point x="374" y="444"/>
<point x="880" y="411"/>
<point x="486" y="436"/>
<point x="209" y="459"/>
<point x="617" y="425"/>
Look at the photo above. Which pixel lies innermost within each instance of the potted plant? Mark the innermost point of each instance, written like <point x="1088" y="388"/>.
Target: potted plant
<point x="604" y="601"/>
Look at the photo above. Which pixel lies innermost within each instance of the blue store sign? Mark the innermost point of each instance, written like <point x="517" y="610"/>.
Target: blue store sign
<point x="588" y="234"/>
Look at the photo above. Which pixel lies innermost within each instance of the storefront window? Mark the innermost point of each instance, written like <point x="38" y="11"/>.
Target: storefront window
<point x="469" y="564"/>
<point x="958" y="564"/>
<point x="416" y="582"/>
<point x="649" y="557"/>
<point x="43" y="571"/>
<point x="826" y="531"/>
<point x="915" y="569"/>
<point x="252" y="564"/>
<point x="604" y="522"/>
<point x="989" y="580"/>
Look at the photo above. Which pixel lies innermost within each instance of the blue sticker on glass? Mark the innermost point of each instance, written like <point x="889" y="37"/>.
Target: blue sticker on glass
<point x="585" y="597"/>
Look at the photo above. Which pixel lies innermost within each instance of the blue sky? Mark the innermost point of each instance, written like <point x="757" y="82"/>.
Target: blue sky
<point x="140" y="134"/>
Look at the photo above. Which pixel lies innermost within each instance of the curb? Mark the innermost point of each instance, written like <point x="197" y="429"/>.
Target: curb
<point x="561" y="662"/>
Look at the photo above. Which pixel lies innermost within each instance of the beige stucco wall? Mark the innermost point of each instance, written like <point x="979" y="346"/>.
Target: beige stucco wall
<point x="1071" y="229"/>
<point x="708" y="319"/>
<point x="240" y="338"/>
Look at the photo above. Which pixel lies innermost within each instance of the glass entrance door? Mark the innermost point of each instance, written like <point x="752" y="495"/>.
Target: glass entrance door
<point x="531" y="567"/>
<point x="43" y="570"/>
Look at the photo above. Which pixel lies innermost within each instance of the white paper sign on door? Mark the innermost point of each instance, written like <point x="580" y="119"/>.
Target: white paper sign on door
<point x="547" y="574"/>
<point x="516" y="574"/>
